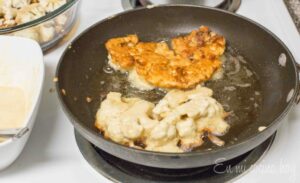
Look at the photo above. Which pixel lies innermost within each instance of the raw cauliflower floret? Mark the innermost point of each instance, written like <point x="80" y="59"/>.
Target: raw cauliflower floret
<point x="6" y="10"/>
<point x="47" y="33"/>
<point x="29" y="13"/>
<point x="5" y="4"/>
<point x="51" y="5"/>
<point x="10" y="13"/>
<point x="20" y="3"/>
<point x="31" y="33"/>
<point x="6" y="23"/>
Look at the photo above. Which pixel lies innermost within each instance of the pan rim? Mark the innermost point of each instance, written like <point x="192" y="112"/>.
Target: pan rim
<point x="91" y="135"/>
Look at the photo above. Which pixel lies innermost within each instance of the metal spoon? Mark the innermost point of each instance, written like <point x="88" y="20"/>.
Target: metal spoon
<point x="14" y="133"/>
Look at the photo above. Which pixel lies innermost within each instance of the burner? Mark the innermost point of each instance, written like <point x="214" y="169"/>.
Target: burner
<point x="229" y="5"/>
<point x="119" y="170"/>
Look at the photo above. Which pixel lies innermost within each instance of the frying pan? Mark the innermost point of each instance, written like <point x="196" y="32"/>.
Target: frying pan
<point x="81" y="64"/>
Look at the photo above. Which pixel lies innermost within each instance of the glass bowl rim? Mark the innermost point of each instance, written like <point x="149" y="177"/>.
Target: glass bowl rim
<point x="40" y="20"/>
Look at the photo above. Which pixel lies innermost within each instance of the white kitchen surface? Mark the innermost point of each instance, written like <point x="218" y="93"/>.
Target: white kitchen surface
<point x="51" y="154"/>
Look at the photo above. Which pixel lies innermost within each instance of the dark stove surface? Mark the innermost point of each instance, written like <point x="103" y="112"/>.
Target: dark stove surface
<point x="119" y="170"/>
<point x="230" y="5"/>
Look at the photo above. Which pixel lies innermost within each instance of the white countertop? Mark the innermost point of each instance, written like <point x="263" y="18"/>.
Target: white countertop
<point x="52" y="155"/>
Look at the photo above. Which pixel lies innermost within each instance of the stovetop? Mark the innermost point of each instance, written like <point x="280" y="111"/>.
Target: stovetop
<point x="52" y="155"/>
<point x="119" y="170"/>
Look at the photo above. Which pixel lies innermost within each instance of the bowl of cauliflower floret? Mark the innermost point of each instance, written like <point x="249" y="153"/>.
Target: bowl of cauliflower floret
<point x="45" y="21"/>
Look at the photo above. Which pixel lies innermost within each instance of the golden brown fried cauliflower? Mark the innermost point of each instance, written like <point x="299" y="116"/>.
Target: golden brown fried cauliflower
<point x="193" y="59"/>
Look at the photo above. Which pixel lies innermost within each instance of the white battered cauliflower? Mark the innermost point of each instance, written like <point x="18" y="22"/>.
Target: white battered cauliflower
<point x="122" y="114"/>
<point x="177" y="123"/>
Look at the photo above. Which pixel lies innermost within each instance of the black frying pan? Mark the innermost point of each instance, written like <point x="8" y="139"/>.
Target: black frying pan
<point x="80" y="67"/>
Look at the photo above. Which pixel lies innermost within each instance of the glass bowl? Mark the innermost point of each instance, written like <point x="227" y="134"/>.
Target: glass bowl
<point x="49" y="29"/>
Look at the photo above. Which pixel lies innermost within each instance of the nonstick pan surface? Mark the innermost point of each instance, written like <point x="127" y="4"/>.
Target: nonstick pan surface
<point x="79" y="75"/>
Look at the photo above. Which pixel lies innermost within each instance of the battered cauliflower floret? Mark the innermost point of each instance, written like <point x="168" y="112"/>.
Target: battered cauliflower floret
<point x="177" y="123"/>
<point x="216" y="126"/>
<point x="110" y="108"/>
<point x="189" y="136"/>
<point x="163" y="132"/>
<point x="163" y="138"/>
<point x="51" y="5"/>
<point x="129" y="115"/>
<point x="186" y="128"/>
<point x="177" y="97"/>
<point x="195" y="104"/>
<point x="130" y="119"/>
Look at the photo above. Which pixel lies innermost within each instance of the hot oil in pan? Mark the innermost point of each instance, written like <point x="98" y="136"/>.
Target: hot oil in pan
<point x="238" y="91"/>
